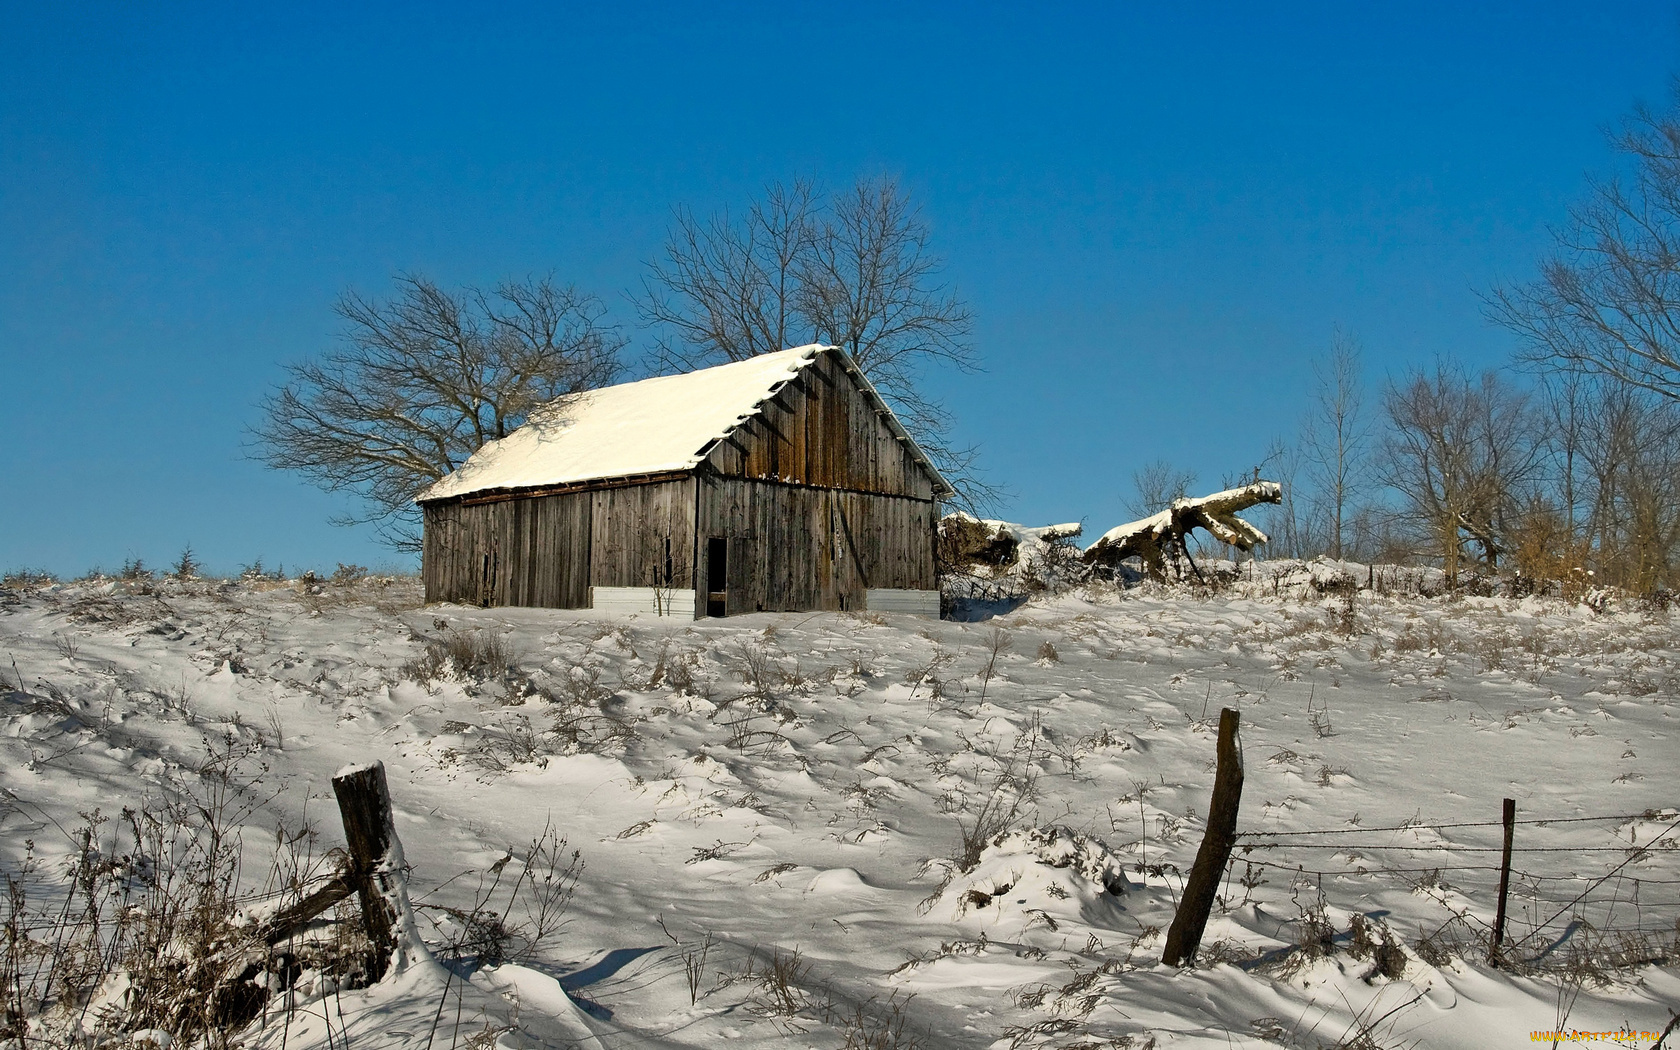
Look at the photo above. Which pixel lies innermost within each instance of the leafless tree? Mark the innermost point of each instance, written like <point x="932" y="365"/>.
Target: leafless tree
<point x="854" y="271"/>
<point x="870" y="285"/>
<point x="1462" y="454"/>
<point x="1335" y="437"/>
<point x="1155" y="485"/>
<point x="1291" y="528"/>
<point x="1630" y="485"/>
<point x="1607" y="301"/>
<point x="422" y="380"/>
<point x="729" y="289"/>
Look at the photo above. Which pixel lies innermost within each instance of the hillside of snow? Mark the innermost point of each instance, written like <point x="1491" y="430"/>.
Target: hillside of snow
<point x="771" y="810"/>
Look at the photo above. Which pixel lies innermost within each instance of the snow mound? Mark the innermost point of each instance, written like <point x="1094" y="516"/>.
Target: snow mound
<point x="1048" y="870"/>
<point x="1058" y="847"/>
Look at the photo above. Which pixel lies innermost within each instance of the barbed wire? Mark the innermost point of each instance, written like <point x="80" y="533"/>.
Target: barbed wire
<point x="1367" y="871"/>
<point x="1606" y="878"/>
<point x="1650" y="815"/>
<point x="1450" y="849"/>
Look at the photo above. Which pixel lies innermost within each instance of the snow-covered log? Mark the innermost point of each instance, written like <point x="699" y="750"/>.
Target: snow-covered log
<point x="1159" y="538"/>
<point x="966" y="540"/>
<point x="989" y="560"/>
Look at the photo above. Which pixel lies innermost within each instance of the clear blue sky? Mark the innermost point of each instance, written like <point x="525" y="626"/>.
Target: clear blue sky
<point x="1158" y="212"/>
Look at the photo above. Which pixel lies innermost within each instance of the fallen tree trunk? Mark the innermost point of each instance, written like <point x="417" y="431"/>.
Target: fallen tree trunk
<point x="1159" y="539"/>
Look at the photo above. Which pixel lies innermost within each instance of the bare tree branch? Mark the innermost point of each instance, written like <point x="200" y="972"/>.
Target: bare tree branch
<point x="855" y="272"/>
<point x="421" y="381"/>
<point x="728" y="290"/>
<point x="1463" y="454"/>
<point x="1605" y="302"/>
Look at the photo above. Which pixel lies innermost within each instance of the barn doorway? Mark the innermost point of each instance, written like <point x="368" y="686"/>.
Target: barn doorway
<point x="717" y="576"/>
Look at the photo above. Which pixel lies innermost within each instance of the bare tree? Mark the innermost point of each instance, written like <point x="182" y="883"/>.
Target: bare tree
<point x="1290" y="528"/>
<point x="1607" y="301"/>
<point x="869" y="285"/>
<point x="727" y="290"/>
<point x="1462" y="454"/>
<point x="855" y="271"/>
<point x="1335" y="437"/>
<point x="1630" y="485"/>
<point x="1155" y="485"/>
<point x="421" y="381"/>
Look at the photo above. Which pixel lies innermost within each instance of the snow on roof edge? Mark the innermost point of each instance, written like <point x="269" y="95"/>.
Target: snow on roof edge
<point x="623" y="432"/>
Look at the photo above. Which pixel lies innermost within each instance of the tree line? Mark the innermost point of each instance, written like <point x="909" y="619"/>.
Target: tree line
<point x="1563" y="467"/>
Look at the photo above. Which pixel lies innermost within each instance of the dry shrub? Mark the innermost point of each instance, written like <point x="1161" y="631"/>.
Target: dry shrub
<point x="472" y="655"/>
<point x="1368" y="940"/>
<point x="1225" y="951"/>
<point x="781" y="983"/>
<point x="1452" y="939"/>
<point x="27" y="579"/>
<point x="534" y="907"/>
<point x="877" y="1026"/>
<point x="143" y="930"/>
<point x="1546" y="558"/>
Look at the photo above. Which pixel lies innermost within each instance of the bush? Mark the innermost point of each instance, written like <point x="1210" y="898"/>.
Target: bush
<point x="475" y="655"/>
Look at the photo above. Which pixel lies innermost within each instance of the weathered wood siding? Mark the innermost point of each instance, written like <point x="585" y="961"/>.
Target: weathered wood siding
<point x="513" y="552"/>
<point x="548" y="551"/>
<point x="794" y="548"/>
<point x="644" y="536"/>
<point x="822" y="430"/>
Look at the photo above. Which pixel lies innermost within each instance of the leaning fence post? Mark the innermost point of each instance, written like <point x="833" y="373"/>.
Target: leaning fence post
<point x="364" y="803"/>
<point x="1497" y="946"/>
<point x="1187" y="926"/>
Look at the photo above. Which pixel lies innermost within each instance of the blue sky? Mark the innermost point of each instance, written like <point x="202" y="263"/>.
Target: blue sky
<point x="1157" y="212"/>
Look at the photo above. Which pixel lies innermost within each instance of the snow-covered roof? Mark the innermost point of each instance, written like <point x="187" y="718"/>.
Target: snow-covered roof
<point x="652" y="426"/>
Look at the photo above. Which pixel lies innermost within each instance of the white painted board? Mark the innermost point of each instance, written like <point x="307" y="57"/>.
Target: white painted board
<point x="899" y="600"/>
<point x="646" y="601"/>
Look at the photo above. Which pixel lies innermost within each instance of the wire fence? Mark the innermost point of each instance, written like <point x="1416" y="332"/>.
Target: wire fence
<point x="1622" y="888"/>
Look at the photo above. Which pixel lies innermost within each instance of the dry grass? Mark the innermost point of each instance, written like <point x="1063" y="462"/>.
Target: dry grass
<point x="142" y="932"/>
<point x="472" y="655"/>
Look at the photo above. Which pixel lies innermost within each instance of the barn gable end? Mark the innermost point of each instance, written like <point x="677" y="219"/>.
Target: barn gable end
<point x="828" y="428"/>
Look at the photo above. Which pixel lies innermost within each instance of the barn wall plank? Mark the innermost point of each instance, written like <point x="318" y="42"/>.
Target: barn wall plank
<point x="795" y="547"/>
<point x="644" y="536"/>
<point x="518" y="552"/>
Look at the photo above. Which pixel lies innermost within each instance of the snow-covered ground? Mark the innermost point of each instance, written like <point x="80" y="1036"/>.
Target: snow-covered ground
<point x="793" y="791"/>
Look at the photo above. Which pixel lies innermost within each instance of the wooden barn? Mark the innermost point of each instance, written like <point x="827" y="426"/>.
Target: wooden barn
<point x="779" y="483"/>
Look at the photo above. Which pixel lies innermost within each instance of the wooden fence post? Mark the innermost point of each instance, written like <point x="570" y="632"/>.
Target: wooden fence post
<point x="1186" y="931"/>
<point x="364" y="803"/>
<point x="1497" y="946"/>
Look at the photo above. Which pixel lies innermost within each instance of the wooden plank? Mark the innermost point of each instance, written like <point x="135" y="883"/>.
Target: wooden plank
<point x="644" y="601"/>
<point x="902" y="600"/>
<point x="788" y="550"/>
<point x="522" y="552"/>
<point x="592" y="485"/>
<point x="643" y="536"/>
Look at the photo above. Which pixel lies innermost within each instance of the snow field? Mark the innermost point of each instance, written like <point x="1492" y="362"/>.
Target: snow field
<point x="790" y="801"/>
